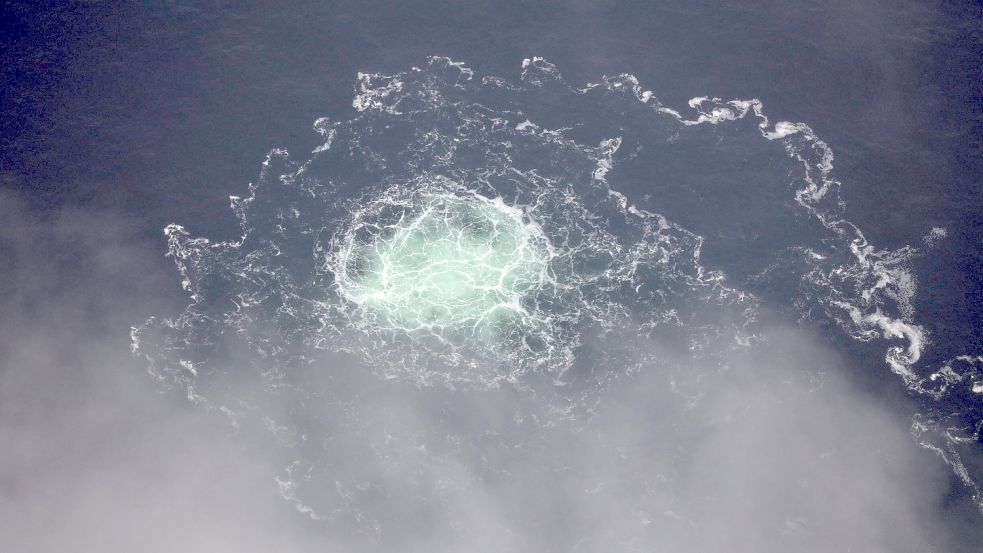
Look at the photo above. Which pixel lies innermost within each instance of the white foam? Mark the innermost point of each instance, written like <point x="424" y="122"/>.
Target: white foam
<point x="325" y="128"/>
<point x="935" y="235"/>
<point x="374" y="90"/>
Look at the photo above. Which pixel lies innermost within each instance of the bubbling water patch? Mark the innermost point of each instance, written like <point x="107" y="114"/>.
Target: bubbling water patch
<point x="450" y="265"/>
<point x="473" y="233"/>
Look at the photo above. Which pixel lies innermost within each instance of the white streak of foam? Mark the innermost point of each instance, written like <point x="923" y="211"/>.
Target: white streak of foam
<point x="324" y="127"/>
<point x="605" y="159"/>
<point x="288" y="491"/>
<point x="927" y="433"/>
<point x="527" y="126"/>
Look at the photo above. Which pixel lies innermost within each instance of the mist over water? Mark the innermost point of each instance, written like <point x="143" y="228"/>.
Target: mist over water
<point x="523" y="315"/>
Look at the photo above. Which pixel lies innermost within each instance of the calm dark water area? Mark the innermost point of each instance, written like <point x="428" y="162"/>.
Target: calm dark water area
<point x="157" y="112"/>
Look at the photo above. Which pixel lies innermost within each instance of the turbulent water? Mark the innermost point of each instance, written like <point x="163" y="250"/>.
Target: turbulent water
<point x="477" y="234"/>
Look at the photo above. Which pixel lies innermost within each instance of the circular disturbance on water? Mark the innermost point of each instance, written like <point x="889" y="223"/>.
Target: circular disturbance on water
<point x="458" y="267"/>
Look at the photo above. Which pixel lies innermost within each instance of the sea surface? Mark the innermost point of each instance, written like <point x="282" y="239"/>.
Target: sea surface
<point x="454" y="266"/>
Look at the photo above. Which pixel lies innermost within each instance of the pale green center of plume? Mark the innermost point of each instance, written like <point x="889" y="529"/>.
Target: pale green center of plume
<point x="456" y="267"/>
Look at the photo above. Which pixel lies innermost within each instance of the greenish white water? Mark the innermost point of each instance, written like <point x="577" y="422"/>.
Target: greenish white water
<point x="455" y="266"/>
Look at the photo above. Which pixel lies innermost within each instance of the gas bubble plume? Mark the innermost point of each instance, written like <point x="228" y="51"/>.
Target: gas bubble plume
<point x="464" y="270"/>
<point x="465" y="236"/>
